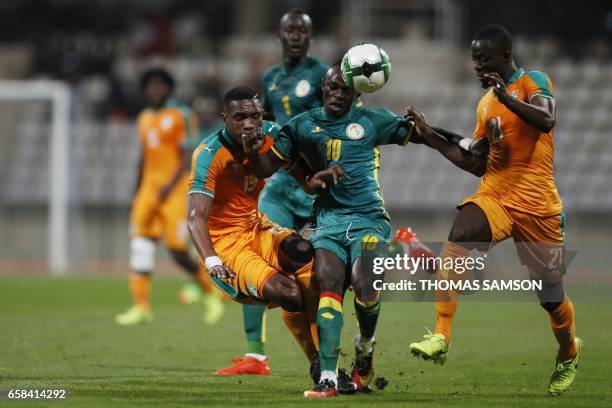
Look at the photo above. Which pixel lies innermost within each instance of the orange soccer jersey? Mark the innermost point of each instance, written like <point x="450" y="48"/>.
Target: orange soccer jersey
<point x="245" y="240"/>
<point x="162" y="134"/>
<point x="235" y="189"/>
<point x="520" y="163"/>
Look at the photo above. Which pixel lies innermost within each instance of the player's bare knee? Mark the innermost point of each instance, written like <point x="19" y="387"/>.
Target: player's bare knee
<point x="295" y="252"/>
<point x="470" y="226"/>
<point x="293" y="300"/>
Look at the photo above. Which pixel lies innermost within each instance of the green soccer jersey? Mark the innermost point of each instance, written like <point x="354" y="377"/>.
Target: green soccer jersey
<point x="287" y="93"/>
<point x="352" y="143"/>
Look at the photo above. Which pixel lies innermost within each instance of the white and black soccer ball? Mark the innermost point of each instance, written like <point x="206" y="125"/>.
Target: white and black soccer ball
<point x="366" y="68"/>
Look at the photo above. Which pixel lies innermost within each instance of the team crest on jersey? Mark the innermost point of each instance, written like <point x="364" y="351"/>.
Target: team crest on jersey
<point x="355" y="131"/>
<point x="302" y="88"/>
<point x="252" y="290"/>
<point x="166" y="123"/>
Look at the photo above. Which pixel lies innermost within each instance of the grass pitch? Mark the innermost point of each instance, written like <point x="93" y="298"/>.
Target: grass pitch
<point x="59" y="333"/>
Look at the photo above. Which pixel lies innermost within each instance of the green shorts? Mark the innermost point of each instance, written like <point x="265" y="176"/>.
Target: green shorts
<point x="285" y="202"/>
<point x="348" y="236"/>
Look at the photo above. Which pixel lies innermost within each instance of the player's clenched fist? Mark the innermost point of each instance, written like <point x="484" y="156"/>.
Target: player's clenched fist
<point x="252" y="141"/>
<point x="420" y="124"/>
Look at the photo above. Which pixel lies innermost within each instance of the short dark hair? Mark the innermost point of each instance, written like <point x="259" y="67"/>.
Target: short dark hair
<point x="295" y="12"/>
<point x="498" y="35"/>
<point x="156" y="73"/>
<point x="239" y="93"/>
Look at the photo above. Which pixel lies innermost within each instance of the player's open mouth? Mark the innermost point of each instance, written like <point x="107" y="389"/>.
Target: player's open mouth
<point x="295" y="47"/>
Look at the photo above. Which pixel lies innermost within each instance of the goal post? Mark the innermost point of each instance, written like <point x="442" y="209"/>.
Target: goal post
<point x="58" y="94"/>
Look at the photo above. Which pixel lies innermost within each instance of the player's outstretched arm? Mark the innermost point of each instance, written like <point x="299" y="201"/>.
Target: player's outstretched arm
<point x="262" y="165"/>
<point x="466" y="153"/>
<point x="140" y="170"/>
<point x="539" y="112"/>
<point x="197" y="222"/>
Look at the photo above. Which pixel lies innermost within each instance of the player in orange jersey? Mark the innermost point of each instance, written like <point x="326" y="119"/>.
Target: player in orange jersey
<point x="512" y="147"/>
<point x="253" y="260"/>
<point x="159" y="209"/>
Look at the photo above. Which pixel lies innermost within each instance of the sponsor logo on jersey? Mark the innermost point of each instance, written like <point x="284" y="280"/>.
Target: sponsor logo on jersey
<point x="166" y="122"/>
<point x="317" y="129"/>
<point x="302" y="88"/>
<point x="355" y="131"/>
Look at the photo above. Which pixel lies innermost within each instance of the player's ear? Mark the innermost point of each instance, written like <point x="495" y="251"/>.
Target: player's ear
<point x="224" y="117"/>
<point x="507" y="54"/>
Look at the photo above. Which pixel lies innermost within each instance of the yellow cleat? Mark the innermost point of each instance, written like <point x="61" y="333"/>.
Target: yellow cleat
<point x="564" y="372"/>
<point x="134" y="315"/>
<point x="189" y="294"/>
<point x="213" y="308"/>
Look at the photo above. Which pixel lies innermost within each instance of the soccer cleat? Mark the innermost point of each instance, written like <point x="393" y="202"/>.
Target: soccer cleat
<point x="213" y="308"/>
<point x="134" y="315"/>
<point x="346" y="386"/>
<point x="416" y="248"/>
<point x="246" y="366"/>
<point x="433" y="348"/>
<point x="324" y="389"/>
<point x="363" y="366"/>
<point x="315" y="371"/>
<point x="564" y="373"/>
<point x="189" y="294"/>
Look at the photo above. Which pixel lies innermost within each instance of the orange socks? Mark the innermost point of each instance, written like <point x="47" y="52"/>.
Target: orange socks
<point x="303" y="325"/>
<point x="562" y="324"/>
<point x="299" y="326"/>
<point x="140" y="286"/>
<point x="446" y="301"/>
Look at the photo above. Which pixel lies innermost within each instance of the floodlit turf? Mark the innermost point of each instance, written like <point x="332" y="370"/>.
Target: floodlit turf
<point x="59" y="333"/>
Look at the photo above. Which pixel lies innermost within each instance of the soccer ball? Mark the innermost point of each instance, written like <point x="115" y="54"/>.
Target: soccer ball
<point x="366" y="68"/>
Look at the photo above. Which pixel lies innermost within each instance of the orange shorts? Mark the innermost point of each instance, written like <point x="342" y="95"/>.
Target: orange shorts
<point x="539" y="240"/>
<point x="168" y="220"/>
<point x="253" y="256"/>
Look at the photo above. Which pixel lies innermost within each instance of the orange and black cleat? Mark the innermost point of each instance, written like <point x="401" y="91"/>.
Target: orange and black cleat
<point x="246" y="366"/>
<point x="363" y="366"/>
<point x="324" y="389"/>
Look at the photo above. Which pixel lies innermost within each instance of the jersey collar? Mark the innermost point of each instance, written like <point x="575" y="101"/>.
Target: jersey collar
<point x="515" y="77"/>
<point x="296" y="68"/>
<point x="227" y="140"/>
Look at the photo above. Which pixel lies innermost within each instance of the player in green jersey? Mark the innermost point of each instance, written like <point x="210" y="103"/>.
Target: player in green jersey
<point x="342" y="139"/>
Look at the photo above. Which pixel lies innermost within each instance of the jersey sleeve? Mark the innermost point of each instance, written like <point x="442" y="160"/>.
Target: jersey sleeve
<point x="390" y="128"/>
<point x="205" y="169"/>
<point x="286" y="142"/>
<point x="480" y="131"/>
<point x="537" y="83"/>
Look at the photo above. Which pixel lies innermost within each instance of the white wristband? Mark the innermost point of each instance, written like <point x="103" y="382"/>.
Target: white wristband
<point x="465" y="143"/>
<point x="212" y="261"/>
